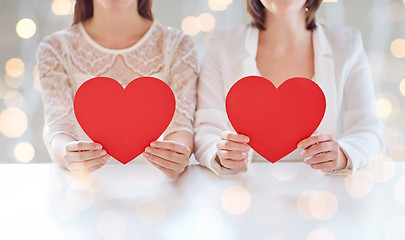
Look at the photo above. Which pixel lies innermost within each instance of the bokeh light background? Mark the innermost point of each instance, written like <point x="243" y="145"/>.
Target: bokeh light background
<point x="23" y="24"/>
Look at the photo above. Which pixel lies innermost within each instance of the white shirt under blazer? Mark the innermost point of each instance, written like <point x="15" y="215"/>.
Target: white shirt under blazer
<point x="341" y="70"/>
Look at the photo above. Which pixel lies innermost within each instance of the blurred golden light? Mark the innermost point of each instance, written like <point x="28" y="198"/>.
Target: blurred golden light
<point x="79" y="200"/>
<point x="13" y="122"/>
<point x="37" y="84"/>
<point x="394" y="228"/>
<point x="13" y="99"/>
<point x="15" y="67"/>
<point x="150" y="211"/>
<point x="303" y="205"/>
<point x="24" y="152"/>
<point x="235" y="200"/>
<point x="207" y="22"/>
<point x="323" y="205"/>
<point x="3" y="89"/>
<point x="398" y="48"/>
<point x="321" y="234"/>
<point x="110" y="225"/>
<point x="13" y="82"/>
<point x="396" y="11"/>
<point x="382" y="169"/>
<point x="26" y="28"/>
<point x="402" y="87"/>
<point x="62" y="7"/>
<point x="359" y="184"/>
<point x="208" y="222"/>
<point x="399" y="190"/>
<point x="218" y="5"/>
<point x="384" y="107"/>
<point x="190" y="26"/>
<point x="397" y="152"/>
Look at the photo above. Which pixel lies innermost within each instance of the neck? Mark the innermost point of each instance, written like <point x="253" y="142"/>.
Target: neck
<point x="285" y="31"/>
<point x="112" y="27"/>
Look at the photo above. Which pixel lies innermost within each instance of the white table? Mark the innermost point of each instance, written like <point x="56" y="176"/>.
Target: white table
<point x="136" y="201"/>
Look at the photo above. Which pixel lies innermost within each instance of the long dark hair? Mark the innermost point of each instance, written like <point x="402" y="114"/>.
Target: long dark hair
<point x="258" y="12"/>
<point x="84" y="10"/>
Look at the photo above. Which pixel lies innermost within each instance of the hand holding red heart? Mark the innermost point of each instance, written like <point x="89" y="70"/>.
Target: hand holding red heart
<point x="84" y="156"/>
<point x="168" y="156"/>
<point x="233" y="150"/>
<point x="323" y="152"/>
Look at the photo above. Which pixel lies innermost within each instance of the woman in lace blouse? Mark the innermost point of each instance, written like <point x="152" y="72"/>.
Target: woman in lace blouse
<point x="116" y="39"/>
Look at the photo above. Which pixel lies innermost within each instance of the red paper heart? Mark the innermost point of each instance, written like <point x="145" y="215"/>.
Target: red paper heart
<point x="124" y="121"/>
<point x="275" y="120"/>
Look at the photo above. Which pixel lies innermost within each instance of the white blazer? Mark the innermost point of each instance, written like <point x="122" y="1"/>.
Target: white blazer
<point x="341" y="70"/>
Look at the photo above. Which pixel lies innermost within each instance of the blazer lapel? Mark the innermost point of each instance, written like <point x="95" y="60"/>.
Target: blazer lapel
<point x="325" y="77"/>
<point x="249" y="67"/>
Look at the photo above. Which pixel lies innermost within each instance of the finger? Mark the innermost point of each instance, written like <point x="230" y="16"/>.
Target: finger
<point x="168" y="172"/>
<point x="304" y="144"/>
<point x="232" y="155"/>
<point x="320" y="158"/>
<point x="232" y="164"/>
<point x="326" y="166"/>
<point x="83" y="146"/>
<point x="166" y="154"/>
<point x="232" y="146"/>
<point x="85" y="155"/>
<point x="96" y="167"/>
<point x="230" y="136"/>
<point x="162" y="162"/>
<point x="82" y="165"/>
<point x="319" y="148"/>
<point x="172" y="146"/>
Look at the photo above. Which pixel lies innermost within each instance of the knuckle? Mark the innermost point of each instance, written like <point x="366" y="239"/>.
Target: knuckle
<point x="227" y="144"/>
<point x="171" y="154"/>
<point x="80" y="144"/>
<point x="227" y="154"/>
<point x="228" y="135"/>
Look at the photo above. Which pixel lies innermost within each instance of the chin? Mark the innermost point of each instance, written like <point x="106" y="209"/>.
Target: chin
<point x="283" y="7"/>
<point x="116" y="5"/>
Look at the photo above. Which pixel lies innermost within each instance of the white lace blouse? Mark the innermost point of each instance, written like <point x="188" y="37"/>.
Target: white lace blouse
<point x="68" y="58"/>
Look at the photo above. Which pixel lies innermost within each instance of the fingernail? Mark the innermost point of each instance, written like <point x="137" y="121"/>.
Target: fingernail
<point x="107" y="157"/>
<point x="247" y="139"/>
<point x="145" y="154"/>
<point x="299" y="145"/>
<point x="153" y="144"/>
<point x="147" y="149"/>
<point x="104" y="152"/>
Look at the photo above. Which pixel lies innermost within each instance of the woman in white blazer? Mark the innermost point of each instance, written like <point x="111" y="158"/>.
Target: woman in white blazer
<point x="285" y="41"/>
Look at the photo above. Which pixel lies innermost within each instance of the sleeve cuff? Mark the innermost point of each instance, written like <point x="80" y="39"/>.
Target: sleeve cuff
<point x="348" y="170"/>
